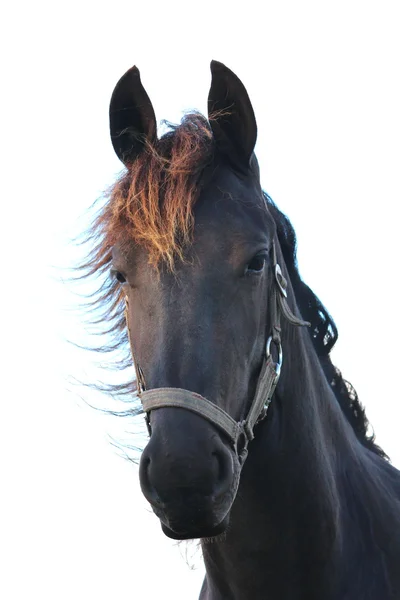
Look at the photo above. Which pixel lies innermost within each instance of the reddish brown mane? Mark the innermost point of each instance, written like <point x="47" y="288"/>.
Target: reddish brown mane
<point x="152" y="202"/>
<point x="152" y="205"/>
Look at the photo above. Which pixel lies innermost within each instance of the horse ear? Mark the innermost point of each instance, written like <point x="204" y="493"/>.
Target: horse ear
<point x="132" y="118"/>
<point x="231" y="116"/>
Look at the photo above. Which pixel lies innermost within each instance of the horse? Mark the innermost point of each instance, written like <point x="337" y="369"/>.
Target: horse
<point x="258" y="446"/>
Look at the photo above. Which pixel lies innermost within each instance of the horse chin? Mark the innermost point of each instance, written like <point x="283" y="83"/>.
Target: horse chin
<point x="195" y="531"/>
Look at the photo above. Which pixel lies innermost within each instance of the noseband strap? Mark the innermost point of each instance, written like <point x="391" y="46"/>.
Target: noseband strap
<point x="240" y="433"/>
<point x="178" y="398"/>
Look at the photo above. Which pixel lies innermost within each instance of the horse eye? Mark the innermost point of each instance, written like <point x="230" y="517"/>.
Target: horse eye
<point x="118" y="276"/>
<point x="256" y="265"/>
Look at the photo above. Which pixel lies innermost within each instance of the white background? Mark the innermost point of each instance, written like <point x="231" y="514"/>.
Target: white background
<point x="323" y="79"/>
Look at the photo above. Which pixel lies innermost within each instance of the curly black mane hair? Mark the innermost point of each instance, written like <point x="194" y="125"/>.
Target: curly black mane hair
<point x="323" y="333"/>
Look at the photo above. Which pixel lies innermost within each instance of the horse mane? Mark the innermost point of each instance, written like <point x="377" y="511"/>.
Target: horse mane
<point x="152" y="204"/>
<point x="323" y="333"/>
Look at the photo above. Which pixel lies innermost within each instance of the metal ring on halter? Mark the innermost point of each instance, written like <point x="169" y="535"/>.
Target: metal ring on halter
<point x="278" y="346"/>
<point x="142" y="381"/>
<point x="280" y="280"/>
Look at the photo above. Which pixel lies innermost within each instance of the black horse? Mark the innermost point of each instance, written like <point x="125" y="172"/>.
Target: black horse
<point x="258" y="445"/>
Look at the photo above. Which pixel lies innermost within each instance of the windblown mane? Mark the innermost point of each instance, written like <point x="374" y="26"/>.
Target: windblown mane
<point x="152" y="204"/>
<point x="323" y="332"/>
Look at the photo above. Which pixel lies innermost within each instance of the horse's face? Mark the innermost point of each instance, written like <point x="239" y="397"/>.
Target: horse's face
<point x="201" y="328"/>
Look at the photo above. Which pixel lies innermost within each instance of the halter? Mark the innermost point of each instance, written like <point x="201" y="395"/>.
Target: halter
<point x="240" y="433"/>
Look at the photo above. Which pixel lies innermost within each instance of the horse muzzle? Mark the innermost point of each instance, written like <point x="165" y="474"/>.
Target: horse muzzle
<point x="190" y="480"/>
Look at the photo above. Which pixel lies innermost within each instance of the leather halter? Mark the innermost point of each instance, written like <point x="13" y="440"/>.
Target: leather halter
<point x="240" y="433"/>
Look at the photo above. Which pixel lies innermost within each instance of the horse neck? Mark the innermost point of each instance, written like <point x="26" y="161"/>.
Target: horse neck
<point x="285" y="519"/>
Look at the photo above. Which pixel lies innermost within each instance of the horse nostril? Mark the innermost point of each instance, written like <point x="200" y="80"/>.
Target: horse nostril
<point x="225" y="471"/>
<point x="148" y="490"/>
<point x="221" y="465"/>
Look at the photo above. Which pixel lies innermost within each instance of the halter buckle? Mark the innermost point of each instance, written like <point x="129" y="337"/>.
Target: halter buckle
<point x="278" y="346"/>
<point x="141" y="379"/>
<point x="280" y="280"/>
